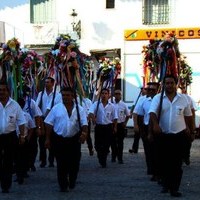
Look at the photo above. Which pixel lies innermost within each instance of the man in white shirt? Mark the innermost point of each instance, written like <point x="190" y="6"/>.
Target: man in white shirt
<point x="117" y="144"/>
<point x="11" y="116"/>
<point x="104" y="115"/>
<point x="170" y="115"/>
<point x="34" y="111"/>
<point x="46" y="100"/>
<point x="68" y="121"/>
<point x="149" y="144"/>
<point x="24" y="152"/>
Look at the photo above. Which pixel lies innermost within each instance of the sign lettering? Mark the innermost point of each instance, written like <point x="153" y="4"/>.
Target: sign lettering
<point x="144" y="34"/>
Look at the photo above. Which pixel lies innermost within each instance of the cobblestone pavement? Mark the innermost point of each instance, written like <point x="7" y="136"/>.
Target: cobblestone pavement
<point x="117" y="181"/>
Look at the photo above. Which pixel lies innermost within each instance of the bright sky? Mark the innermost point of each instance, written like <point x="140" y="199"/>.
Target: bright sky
<point x="12" y="3"/>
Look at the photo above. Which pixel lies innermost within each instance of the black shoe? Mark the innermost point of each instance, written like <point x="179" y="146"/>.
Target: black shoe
<point x="154" y="178"/>
<point x="187" y="161"/>
<point x="5" y="191"/>
<point x="51" y="165"/>
<point x="130" y="150"/>
<point x="42" y="165"/>
<point x="91" y="152"/>
<point x="26" y="175"/>
<point x="33" y="169"/>
<point x="64" y="190"/>
<point x="20" y="180"/>
<point x="103" y="165"/>
<point x="175" y="194"/>
<point x="164" y="190"/>
<point x="72" y="185"/>
<point x="120" y="162"/>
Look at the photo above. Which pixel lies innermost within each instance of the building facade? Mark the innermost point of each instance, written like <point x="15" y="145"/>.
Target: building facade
<point x="102" y="26"/>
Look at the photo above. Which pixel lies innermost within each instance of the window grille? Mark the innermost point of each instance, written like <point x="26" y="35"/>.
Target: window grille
<point x="42" y="11"/>
<point x="156" y="12"/>
<point x="110" y="3"/>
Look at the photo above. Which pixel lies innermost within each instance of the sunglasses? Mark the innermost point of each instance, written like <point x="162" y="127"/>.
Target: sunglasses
<point x="151" y="89"/>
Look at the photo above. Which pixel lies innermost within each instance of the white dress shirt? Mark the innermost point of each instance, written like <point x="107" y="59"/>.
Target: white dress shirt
<point x="10" y="116"/>
<point x="105" y="115"/>
<point x="29" y="124"/>
<point x="172" y="114"/>
<point x="86" y="104"/>
<point x="139" y="103"/>
<point x="122" y="111"/>
<point x="144" y="109"/>
<point x="47" y="100"/>
<point x="34" y="108"/>
<point x="63" y="124"/>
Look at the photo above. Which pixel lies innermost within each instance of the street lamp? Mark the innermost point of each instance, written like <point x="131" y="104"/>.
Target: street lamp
<point x="76" y="27"/>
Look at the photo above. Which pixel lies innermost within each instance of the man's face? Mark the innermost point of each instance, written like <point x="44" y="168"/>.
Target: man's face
<point x="152" y="90"/>
<point x="104" y="95"/>
<point x="67" y="96"/>
<point x="49" y="84"/>
<point x="170" y="85"/>
<point x="118" y="95"/>
<point x="4" y="93"/>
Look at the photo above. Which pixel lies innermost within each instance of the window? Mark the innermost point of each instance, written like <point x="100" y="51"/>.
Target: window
<point x="42" y="11"/>
<point x="110" y="3"/>
<point x="156" y="12"/>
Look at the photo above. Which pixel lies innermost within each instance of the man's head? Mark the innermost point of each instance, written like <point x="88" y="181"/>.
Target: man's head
<point x="118" y="95"/>
<point x="170" y="84"/>
<point x="67" y="95"/>
<point x="105" y="94"/>
<point x="152" y="88"/>
<point x="4" y="91"/>
<point x="49" y="83"/>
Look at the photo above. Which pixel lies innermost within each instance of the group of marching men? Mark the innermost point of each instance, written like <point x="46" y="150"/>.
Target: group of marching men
<point x="61" y="123"/>
<point x="165" y="121"/>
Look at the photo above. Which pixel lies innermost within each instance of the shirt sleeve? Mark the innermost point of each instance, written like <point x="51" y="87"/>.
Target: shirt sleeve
<point x="93" y="108"/>
<point x="57" y="100"/>
<point x="36" y="109"/>
<point x="50" y="118"/>
<point x="20" y="118"/>
<point x="155" y="104"/>
<point x="38" y="99"/>
<point x="83" y="117"/>
<point x="30" y="122"/>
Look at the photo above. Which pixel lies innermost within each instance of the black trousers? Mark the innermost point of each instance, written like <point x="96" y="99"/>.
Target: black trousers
<point x="103" y="135"/>
<point x="170" y="158"/>
<point x="138" y="135"/>
<point x="148" y="150"/>
<point x="43" y="151"/>
<point x="89" y="139"/>
<point x="117" y="143"/>
<point x="68" y="154"/>
<point x="8" y="147"/>
<point x="32" y="149"/>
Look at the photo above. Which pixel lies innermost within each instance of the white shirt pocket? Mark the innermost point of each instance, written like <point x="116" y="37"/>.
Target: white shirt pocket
<point x="179" y="110"/>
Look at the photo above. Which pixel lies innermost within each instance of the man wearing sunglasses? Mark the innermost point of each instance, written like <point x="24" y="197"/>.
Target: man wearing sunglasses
<point x="117" y="143"/>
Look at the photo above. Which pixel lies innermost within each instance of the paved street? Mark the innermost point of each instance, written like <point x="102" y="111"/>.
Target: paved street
<point x="117" y="181"/>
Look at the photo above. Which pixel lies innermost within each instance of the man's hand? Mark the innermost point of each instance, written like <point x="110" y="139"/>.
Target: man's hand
<point x="22" y="139"/>
<point x="83" y="137"/>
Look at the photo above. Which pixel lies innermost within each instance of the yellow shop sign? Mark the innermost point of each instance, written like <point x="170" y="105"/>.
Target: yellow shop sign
<point x="147" y="34"/>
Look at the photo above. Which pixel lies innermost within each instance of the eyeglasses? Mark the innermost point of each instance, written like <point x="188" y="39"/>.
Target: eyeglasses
<point x="151" y="89"/>
<point x="118" y="93"/>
